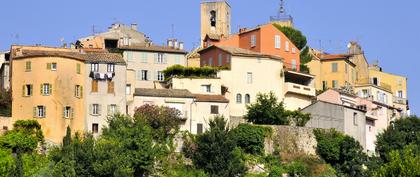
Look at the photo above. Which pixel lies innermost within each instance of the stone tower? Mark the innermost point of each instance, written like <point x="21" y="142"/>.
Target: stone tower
<point x="282" y="18"/>
<point x="215" y="19"/>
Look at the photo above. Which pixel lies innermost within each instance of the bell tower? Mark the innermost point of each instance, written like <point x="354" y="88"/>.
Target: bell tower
<point x="282" y="18"/>
<point x="215" y="19"/>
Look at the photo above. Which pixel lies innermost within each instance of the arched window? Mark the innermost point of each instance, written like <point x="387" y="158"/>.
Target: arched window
<point x="238" y="98"/>
<point x="213" y="18"/>
<point x="247" y="99"/>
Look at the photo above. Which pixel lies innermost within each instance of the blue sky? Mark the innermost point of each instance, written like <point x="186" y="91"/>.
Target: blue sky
<point x="389" y="31"/>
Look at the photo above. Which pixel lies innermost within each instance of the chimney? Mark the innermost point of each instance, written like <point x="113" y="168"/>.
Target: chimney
<point x="176" y="44"/>
<point x="241" y="30"/>
<point x="134" y="26"/>
<point x="170" y="43"/>
<point x="181" y="46"/>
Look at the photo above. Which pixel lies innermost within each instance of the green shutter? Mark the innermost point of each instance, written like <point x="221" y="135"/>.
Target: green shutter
<point x="156" y="58"/>
<point x="75" y="91"/>
<point x="45" y="111"/>
<point x="50" y="89"/>
<point x="48" y="66"/>
<point x="78" y="68"/>
<point x="71" y="113"/>
<point x="32" y="89"/>
<point x="99" y="109"/>
<point x="109" y="110"/>
<point x="23" y="90"/>
<point x="64" y="112"/>
<point x="90" y="109"/>
<point x="81" y="91"/>
<point x="42" y="93"/>
<point x="34" y="112"/>
<point x="165" y="58"/>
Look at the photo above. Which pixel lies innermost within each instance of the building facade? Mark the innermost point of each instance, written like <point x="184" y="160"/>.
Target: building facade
<point x="215" y="19"/>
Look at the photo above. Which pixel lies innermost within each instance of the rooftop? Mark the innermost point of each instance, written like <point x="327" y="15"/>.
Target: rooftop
<point x="174" y="93"/>
<point x="235" y="51"/>
<point x="153" y="48"/>
<point x="211" y="98"/>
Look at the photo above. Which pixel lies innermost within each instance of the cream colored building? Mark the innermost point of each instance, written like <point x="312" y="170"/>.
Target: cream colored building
<point x="215" y="19"/>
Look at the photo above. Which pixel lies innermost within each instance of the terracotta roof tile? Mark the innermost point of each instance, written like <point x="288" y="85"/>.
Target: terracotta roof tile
<point x="174" y="93"/>
<point x="154" y="48"/>
<point x="236" y="51"/>
<point x="211" y="98"/>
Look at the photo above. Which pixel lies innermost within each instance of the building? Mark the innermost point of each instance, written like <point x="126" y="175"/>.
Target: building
<point x="105" y="93"/>
<point x="282" y="18"/>
<point x="118" y="35"/>
<point x="265" y="39"/>
<point x="47" y="86"/>
<point x="5" y="70"/>
<point x="196" y="109"/>
<point x="332" y="71"/>
<point x="215" y="19"/>
<point x="299" y="90"/>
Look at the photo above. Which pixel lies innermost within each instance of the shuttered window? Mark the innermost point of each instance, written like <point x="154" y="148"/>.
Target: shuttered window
<point x="94" y="86"/>
<point x="110" y="87"/>
<point x="28" y="66"/>
<point x="46" y="89"/>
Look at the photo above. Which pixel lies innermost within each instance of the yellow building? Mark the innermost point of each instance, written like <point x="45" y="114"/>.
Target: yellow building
<point x="332" y="71"/>
<point x="47" y="86"/>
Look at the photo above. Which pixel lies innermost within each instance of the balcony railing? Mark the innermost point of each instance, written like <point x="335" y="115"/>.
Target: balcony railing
<point x="382" y="85"/>
<point x="399" y="100"/>
<point x="299" y="89"/>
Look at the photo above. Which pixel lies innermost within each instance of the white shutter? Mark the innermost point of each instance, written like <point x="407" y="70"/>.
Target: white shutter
<point x="90" y="109"/>
<point x="165" y="58"/>
<point x="156" y="58"/>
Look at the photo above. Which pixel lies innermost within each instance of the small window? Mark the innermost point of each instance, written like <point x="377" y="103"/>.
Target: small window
<point x="219" y="60"/>
<point x="294" y="64"/>
<point x="253" y="40"/>
<point x="277" y="42"/>
<point x="334" y="67"/>
<point x="293" y="50"/>
<point x="214" y="109"/>
<point x="128" y="89"/>
<point x="111" y="87"/>
<point x="53" y="66"/>
<point x="199" y="129"/>
<point x="5" y="128"/>
<point x="335" y="84"/>
<point x="144" y="57"/>
<point x="238" y="98"/>
<point x="144" y="75"/>
<point x="355" y="119"/>
<point x="400" y="94"/>
<point x="206" y="88"/>
<point x="177" y="59"/>
<point x="95" y="109"/>
<point x="95" y="128"/>
<point x="78" y="68"/>
<point x="40" y="111"/>
<point x="112" y="109"/>
<point x="67" y="112"/>
<point x="247" y="99"/>
<point x="28" y="66"/>
<point x="249" y="77"/>
<point x="324" y="85"/>
<point x="94" y="86"/>
<point x="28" y="90"/>
<point x="160" y="76"/>
<point x="211" y="61"/>
<point x="94" y="67"/>
<point x="160" y="58"/>
<point x="286" y="46"/>
<point x="110" y="68"/>
<point x="228" y="58"/>
<point x="375" y="81"/>
<point x="78" y="91"/>
<point x="46" y="89"/>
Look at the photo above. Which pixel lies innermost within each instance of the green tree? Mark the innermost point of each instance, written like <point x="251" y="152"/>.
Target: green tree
<point x="266" y="110"/>
<point x="403" y="163"/>
<point x="216" y="152"/>
<point x="294" y="35"/>
<point x="250" y="138"/>
<point x="399" y="134"/>
<point x="6" y="162"/>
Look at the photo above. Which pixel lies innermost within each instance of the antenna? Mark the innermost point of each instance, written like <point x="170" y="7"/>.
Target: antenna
<point x="93" y="29"/>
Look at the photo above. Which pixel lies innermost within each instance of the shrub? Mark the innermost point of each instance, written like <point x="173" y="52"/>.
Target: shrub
<point x="250" y="138"/>
<point x="266" y="110"/>
<point x="297" y="168"/>
<point x="402" y="163"/>
<point x="181" y="71"/>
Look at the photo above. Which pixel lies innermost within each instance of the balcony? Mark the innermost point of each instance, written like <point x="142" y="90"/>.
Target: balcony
<point x="367" y="81"/>
<point x="102" y="76"/>
<point x="299" y="89"/>
<point x="399" y="100"/>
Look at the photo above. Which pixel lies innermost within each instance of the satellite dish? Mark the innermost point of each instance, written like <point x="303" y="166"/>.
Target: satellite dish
<point x="349" y="45"/>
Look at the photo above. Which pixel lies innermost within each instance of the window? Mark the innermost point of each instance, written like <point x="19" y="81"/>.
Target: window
<point x="400" y="94"/>
<point x="238" y="98"/>
<point x="67" y="113"/>
<point x="177" y="59"/>
<point x="286" y="46"/>
<point x="228" y="57"/>
<point x="334" y="67"/>
<point x="249" y="77"/>
<point x="199" y="129"/>
<point x="40" y="111"/>
<point x="219" y="60"/>
<point x="355" y="118"/>
<point x="324" y="85"/>
<point x="46" y="89"/>
<point x="110" y="68"/>
<point x="160" y="58"/>
<point x="160" y="76"/>
<point x="375" y="81"/>
<point x="294" y="64"/>
<point x="214" y="109"/>
<point x="253" y="40"/>
<point x="144" y="75"/>
<point x="94" y="86"/>
<point x="111" y="87"/>
<point x="211" y="61"/>
<point x="206" y="88"/>
<point x="128" y="89"/>
<point x="78" y="91"/>
<point x="27" y="90"/>
<point x="213" y="18"/>
<point x="364" y="93"/>
<point x="293" y="50"/>
<point x="277" y="42"/>
<point x="144" y="57"/>
<point x="247" y="99"/>
<point x="94" y="67"/>
<point x="28" y="66"/>
<point x="399" y="82"/>
<point x="78" y="68"/>
<point x="112" y="109"/>
<point x="335" y="83"/>
<point x="129" y="56"/>
<point x="52" y="66"/>
<point x="95" y="128"/>
<point x="95" y="109"/>
<point x="5" y="128"/>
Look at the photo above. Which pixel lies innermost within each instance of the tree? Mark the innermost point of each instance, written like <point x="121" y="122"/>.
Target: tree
<point x="294" y="35"/>
<point x="6" y="162"/>
<point x="216" y="152"/>
<point x="266" y="110"/>
<point x="403" y="163"/>
<point x="250" y="138"/>
<point x="399" y="134"/>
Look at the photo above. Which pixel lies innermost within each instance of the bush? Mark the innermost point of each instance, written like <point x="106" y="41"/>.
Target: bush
<point x="297" y="168"/>
<point x="402" y="163"/>
<point x="267" y="110"/>
<point x="181" y="71"/>
<point x="5" y="103"/>
<point x="250" y="138"/>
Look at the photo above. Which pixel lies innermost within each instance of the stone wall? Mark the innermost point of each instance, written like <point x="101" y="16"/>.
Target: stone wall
<point x="292" y="140"/>
<point x="5" y="124"/>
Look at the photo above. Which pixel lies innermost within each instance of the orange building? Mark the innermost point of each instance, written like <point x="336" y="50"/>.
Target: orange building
<point x="265" y="39"/>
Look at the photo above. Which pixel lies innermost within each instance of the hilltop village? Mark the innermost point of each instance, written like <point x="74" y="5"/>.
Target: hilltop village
<point x="82" y="84"/>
